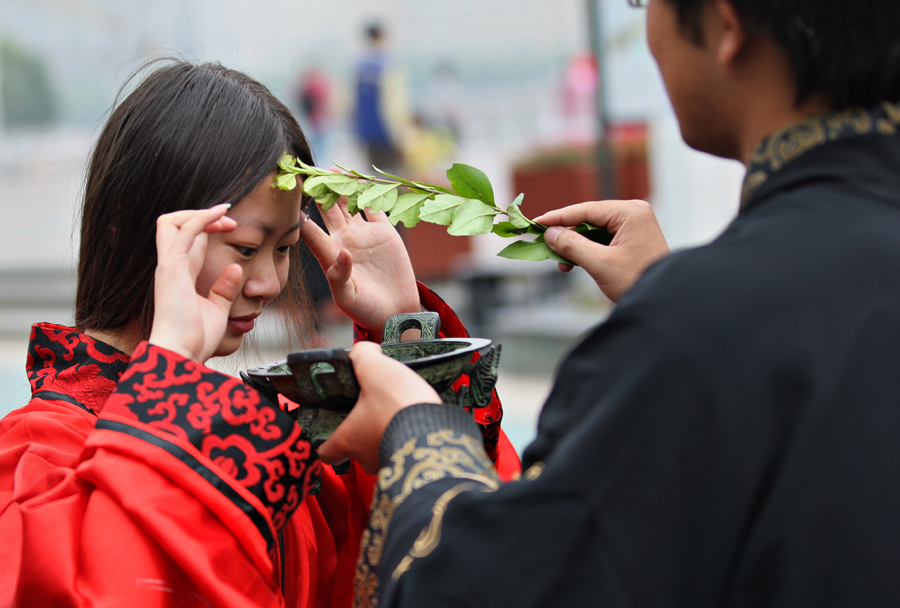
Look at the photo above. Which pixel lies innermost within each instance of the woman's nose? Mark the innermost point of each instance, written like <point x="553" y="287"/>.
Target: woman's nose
<point x="263" y="281"/>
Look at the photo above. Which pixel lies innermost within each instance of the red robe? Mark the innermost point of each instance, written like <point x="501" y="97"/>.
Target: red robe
<point x="157" y="481"/>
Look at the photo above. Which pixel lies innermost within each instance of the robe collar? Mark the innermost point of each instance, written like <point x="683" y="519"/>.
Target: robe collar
<point x="803" y="152"/>
<point x="66" y="365"/>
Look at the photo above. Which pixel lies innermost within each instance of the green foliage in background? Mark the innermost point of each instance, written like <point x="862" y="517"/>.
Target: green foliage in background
<point x="27" y="98"/>
<point x="466" y="208"/>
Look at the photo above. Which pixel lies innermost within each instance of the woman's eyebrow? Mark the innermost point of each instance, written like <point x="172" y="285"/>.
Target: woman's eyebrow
<point x="267" y="229"/>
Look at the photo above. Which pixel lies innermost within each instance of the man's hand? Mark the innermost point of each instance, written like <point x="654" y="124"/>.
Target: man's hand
<point x="638" y="241"/>
<point x="386" y="387"/>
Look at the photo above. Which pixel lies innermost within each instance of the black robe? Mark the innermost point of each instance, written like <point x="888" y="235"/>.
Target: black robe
<point x="730" y="436"/>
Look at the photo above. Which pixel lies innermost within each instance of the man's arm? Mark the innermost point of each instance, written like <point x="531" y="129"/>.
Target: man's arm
<point x="614" y="508"/>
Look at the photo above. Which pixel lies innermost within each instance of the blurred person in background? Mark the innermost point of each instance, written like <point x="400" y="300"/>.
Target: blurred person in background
<point x="315" y="99"/>
<point x="136" y="475"/>
<point x="381" y="110"/>
<point x="435" y="130"/>
<point x="579" y="99"/>
<point x="729" y="436"/>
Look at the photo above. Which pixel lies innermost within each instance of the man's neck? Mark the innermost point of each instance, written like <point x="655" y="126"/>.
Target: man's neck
<point x="769" y="118"/>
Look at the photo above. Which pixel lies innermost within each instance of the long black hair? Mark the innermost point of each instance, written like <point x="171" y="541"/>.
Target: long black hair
<point x="187" y="137"/>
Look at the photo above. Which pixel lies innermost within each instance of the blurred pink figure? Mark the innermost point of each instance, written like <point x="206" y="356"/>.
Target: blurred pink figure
<point x="580" y="99"/>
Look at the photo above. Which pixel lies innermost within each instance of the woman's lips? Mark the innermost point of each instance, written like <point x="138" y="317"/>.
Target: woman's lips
<point x="242" y="324"/>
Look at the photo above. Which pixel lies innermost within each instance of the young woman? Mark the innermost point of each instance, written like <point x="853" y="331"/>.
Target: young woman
<point x="136" y="475"/>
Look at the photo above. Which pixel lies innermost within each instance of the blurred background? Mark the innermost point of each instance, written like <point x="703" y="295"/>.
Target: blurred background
<point x="556" y="99"/>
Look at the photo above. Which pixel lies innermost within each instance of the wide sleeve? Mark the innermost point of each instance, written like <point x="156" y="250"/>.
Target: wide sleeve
<point x="496" y="443"/>
<point x="177" y="498"/>
<point x="610" y="510"/>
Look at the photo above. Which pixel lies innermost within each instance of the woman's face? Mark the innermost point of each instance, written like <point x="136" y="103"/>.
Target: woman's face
<point x="268" y="225"/>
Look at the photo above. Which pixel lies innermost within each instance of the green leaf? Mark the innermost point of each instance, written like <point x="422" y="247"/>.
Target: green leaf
<point x="598" y="235"/>
<point x="379" y="197"/>
<point x="315" y="186"/>
<point x="473" y="217"/>
<point x="442" y="209"/>
<point x="352" y="172"/>
<point x="286" y="181"/>
<point x="310" y="170"/>
<point x="424" y="186"/>
<point x="328" y="200"/>
<point x="535" y="251"/>
<point x="352" y="204"/>
<point x="407" y="209"/>
<point x="507" y="229"/>
<point x="345" y="185"/>
<point x="516" y="217"/>
<point x="286" y="162"/>
<point x="471" y="183"/>
<point x="402" y="180"/>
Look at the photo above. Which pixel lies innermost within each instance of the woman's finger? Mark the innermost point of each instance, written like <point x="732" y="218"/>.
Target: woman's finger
<point x="190" y="222"/>
<point x="334" y="218"/>
<point x="319" y="243"/>
<point x="182" y="240"/>
<point x="226" y="288"/>
<point x="339" y="272"/>
<point x="178" y="218"/>
<point x="376" y="216"/>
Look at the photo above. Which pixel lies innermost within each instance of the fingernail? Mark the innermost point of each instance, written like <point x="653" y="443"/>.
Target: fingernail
<point x="551" y="234"/>
<point x="225" y="205"/>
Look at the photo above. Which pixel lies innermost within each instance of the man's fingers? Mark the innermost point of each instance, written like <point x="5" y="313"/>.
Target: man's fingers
<point x="572" y="245"/>
<point x="603" y="214"/>
<point x="334" y="450"/>
<point x="363" y="350"/>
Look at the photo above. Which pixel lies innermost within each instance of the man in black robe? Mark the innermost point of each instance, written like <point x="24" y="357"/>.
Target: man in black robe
<point x="730" y="436"/>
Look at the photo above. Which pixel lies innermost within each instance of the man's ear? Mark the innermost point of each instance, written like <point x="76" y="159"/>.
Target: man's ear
<point x="733" y="36"/>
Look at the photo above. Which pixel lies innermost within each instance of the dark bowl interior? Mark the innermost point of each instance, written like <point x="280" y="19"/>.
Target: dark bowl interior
<point x="440" y="362"/>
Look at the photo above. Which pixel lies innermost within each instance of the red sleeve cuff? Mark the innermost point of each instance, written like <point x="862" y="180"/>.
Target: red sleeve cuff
<point x="488" y="418"/>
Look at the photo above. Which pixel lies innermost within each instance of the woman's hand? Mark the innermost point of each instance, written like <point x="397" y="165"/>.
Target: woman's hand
<point x="366" y="264"/>
<point x="184" y="321"/>
<point x="638" y="242"/>
<point x="386" y="386"/>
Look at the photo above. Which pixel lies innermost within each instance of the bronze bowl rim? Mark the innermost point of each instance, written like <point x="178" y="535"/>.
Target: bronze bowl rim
<point x="472" y="345"/>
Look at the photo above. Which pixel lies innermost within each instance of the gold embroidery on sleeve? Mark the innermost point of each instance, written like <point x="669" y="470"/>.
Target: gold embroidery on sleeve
<point x="444" y="455"/>
<point x="431" y="536"/>
<point x="534" y="471"/>
<point x="387" y="476"/>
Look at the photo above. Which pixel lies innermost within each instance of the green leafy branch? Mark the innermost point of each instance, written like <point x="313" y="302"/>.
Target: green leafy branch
<point x="466" y="208"/>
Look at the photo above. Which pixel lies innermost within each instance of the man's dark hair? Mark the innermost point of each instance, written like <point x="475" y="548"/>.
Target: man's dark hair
<point x="374" y="32"/>
<point x="188" y="137"/>
<point x="846" y="50"/>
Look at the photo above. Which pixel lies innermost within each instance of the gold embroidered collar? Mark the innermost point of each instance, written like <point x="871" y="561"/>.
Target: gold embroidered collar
<point x="791" y="142"/>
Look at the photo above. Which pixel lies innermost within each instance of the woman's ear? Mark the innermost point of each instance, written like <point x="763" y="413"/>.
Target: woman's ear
<point x="732" y="36"/>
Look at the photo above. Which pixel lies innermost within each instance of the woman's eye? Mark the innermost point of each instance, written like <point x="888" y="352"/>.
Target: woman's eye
<point x="286" y="249"/>
<point x="245" y="251"/>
